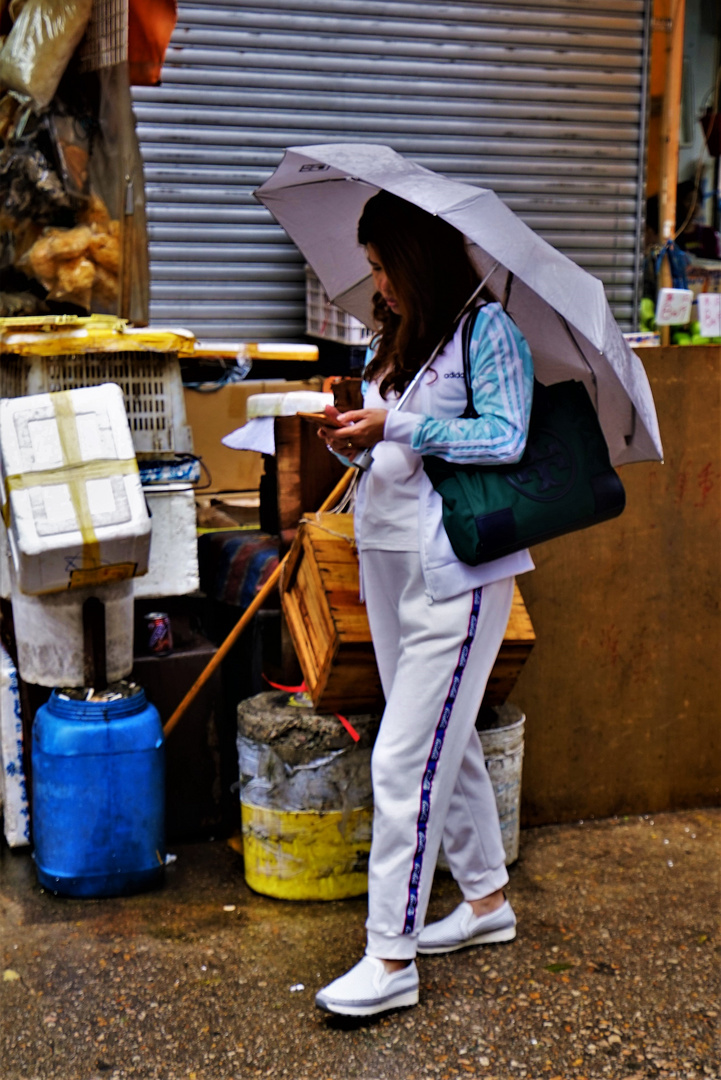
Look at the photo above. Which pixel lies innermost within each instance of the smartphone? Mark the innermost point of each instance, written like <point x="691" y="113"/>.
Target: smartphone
<point x="320" y="419"/>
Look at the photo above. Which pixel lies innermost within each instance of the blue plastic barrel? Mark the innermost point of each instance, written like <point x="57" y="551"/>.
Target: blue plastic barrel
<point x="98" y="783"/>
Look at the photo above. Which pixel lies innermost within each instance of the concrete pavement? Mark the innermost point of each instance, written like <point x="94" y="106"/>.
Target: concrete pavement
<point x="615" y="973"/>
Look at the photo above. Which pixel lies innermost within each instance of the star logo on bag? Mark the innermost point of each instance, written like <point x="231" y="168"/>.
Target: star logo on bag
<point x="548" y="472"/>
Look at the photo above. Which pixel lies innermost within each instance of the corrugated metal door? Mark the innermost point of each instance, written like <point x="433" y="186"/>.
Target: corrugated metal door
<point x="543" y="101"/>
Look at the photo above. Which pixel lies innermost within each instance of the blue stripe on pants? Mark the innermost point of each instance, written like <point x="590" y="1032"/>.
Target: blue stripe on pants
<point x="431" y="764"/>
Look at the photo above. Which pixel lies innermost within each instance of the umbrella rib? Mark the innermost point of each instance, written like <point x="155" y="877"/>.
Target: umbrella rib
<point x="582" y="355"/>
<point x="507" y="290"/>
<point x="324" y="180"/>
<point x="634" y="412"/>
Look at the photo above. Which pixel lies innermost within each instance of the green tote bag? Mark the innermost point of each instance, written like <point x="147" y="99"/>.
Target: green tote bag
<point x="563" y="482"/>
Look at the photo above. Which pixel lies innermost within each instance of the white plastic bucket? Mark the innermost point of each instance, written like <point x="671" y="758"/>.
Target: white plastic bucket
<point x="501" y="731"/>
<point x="503" y="750"/>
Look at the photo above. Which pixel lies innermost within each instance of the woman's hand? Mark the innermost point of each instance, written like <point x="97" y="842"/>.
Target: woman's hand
<point x="359" y="429"/>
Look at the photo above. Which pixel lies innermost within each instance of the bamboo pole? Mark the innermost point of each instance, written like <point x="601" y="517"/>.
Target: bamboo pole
<point x="248" y="614"/>
<point x="670" y="129"/>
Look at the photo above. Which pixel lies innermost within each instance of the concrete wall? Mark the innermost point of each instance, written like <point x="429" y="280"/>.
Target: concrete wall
<point x="622" y="692"/>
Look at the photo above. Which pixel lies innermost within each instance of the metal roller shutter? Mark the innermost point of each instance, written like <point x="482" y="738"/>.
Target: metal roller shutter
<point x="543" y="101"/>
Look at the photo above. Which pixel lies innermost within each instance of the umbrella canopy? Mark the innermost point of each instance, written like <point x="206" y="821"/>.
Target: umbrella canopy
<point x="317" y="194"/>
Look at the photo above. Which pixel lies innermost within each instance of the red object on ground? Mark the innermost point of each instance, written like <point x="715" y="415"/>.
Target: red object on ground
<point x="304" y="689"/>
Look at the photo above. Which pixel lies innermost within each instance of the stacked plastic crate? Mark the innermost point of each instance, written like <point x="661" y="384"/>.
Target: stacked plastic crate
<point x="328" y="322"/>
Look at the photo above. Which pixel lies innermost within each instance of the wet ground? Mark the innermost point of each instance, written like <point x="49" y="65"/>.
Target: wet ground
<point x="615" y="972"/>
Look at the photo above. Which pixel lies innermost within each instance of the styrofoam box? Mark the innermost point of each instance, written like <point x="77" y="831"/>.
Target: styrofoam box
<point x="44" y="533"/>
<point x="49" y="633"/>
<point x="294" y="401"/>
<point x="173" y="567"/>
<point x="13" y="785"/>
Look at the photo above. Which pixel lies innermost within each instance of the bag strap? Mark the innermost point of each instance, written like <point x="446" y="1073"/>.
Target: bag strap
<point x="470" y="411"/>
<point x="470" y="305"/>
<point x="364" y="460"/>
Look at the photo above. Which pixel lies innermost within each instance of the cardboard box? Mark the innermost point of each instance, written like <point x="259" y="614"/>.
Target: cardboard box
<point x="72" y="499"/>
<point x="214" y="414"/>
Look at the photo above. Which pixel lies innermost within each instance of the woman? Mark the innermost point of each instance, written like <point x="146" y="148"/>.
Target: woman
<point x="437" y="624"/>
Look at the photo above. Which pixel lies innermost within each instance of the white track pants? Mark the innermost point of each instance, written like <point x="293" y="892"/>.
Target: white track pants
<point x="429" y="777"/>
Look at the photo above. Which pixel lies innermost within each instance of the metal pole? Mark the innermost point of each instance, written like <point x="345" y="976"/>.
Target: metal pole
<point x="670" y="128"/>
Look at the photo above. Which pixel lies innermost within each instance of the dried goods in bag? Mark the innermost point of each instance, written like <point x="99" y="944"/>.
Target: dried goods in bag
<point x="74" y="264"/>
<point x="20" y="303"/>
<point x="72" y="207"/>
<point x="74" y="282"/>
<point x="39" y="46"/>
<point x="105" y="248"/>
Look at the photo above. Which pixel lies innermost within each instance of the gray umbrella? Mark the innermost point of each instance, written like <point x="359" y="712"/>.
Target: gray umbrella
<point x="317" y="194"/>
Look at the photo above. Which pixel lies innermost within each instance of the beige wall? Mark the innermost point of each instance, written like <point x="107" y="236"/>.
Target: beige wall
<point x="622" y="692"/>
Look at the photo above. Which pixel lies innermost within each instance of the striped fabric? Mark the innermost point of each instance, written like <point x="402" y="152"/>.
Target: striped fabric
<point x="502" y="383"/>
<point x="235" y="565"/>
<point x="432" y="764"/>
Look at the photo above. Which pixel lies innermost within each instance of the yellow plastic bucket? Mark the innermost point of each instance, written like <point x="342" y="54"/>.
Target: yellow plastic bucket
<point x="306" y="854"/>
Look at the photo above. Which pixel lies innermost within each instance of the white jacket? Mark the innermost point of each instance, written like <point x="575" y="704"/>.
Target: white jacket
<point x="502" y="382"/>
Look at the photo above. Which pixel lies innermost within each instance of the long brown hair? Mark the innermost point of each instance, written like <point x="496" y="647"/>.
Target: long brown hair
<point x="432" y="276"/>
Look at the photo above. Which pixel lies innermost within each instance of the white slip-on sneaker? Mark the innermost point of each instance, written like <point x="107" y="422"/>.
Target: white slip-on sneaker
<point x="462" y="928"/>
<point x="368" y="989"/>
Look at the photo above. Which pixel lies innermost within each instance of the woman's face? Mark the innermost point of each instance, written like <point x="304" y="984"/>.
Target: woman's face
<point x="381" y="282"/>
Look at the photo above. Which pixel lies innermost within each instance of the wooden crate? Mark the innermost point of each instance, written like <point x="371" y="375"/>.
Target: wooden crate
<point x="306" y="472"/>
<point x="328" y="623"/>
<point x="518" y="641"/>
<point x="329" y="626"/>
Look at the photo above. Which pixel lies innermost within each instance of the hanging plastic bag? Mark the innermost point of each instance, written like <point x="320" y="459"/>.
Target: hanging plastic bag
<point x="73" y="204"/>
<point x="120" y="247"/>
<point x="150" y="26"/>
<point x="30" y="186"/>
<point x="39" y="46"/>
<point x="70" y="136"/>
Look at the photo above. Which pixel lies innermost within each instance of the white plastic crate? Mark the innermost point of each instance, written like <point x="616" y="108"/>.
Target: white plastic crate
<point x="325" y="320"/>
<point x="151" y="383"/>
